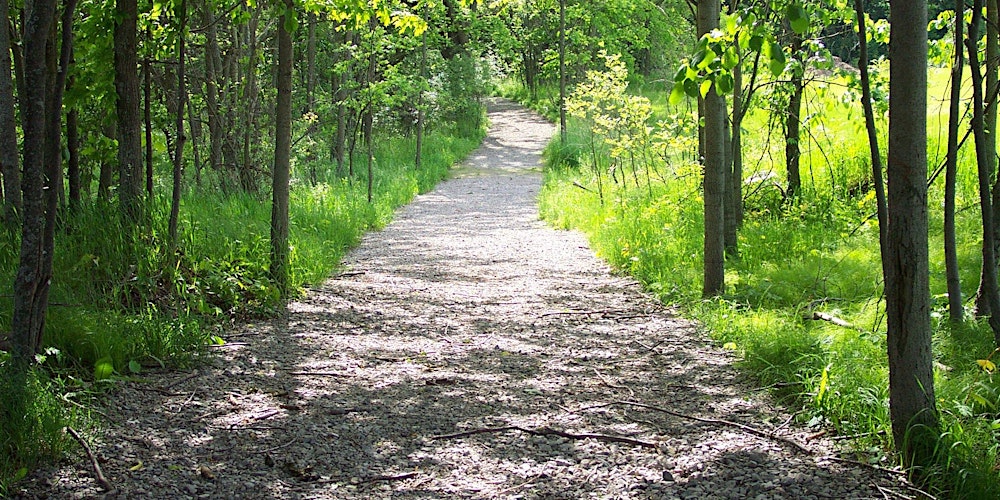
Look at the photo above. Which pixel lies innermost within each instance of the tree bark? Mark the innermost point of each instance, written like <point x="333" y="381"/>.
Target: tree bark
<point x="31" y="284"/>
<point x="9" y="167"/>
<point x="130" y="169"/>
<point x="911" y="375"/>
<point x="793" y="120"/>
<point x="212" y="70"/>
<point x="562" y="72"/>
<point x="714" y="162"/>
<point x="874" y="151"/>
<point x="988" y="284"/>
<point x="147" y="118"/>
<point x="175" y="195"/>
<point x="282" y="153"/>
<point x="736" y="188"/>
<point x="418" y="158"/>
<point x="989" y="137"/>
<point x="956" y="311"/>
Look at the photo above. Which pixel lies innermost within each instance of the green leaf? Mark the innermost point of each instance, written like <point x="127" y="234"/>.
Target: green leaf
<point x="291" y="21"/>
<point x="676" y="94"/>
<point x="797" y="17"/>
<point x="730" y="58"/>
<point x="777" y="62"/>
<point x="729" y="22"/>
<point x="103" y="369"/>
<point x="691" y="88"/>
<point x="706" y="85"/>
<point x="134" y="367"/>
<point x="756" y="43"/>
<point x="724" y="83"/>
<point x="681" y="73"/>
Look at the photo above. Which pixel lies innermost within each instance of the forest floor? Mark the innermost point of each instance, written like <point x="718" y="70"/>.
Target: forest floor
<point x="467" y="351"/>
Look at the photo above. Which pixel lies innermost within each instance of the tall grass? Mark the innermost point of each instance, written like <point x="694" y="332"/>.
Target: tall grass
<point x="819" y="254"/>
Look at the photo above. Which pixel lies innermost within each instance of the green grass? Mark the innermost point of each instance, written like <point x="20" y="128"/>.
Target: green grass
<point x="819" y="254"/>
<point x="120" y="304"/>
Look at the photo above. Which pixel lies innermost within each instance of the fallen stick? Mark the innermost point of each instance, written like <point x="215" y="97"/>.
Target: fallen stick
<point x="98" y="474"/>
<point x="396" y="477"/>
<point x="819" y="316"/>
<point x="716" y="421"/>
<point x="319" y="374"/>
<point x="546" y="431"/>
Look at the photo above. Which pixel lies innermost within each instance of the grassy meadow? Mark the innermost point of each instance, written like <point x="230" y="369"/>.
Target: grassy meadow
<point x="818" y="254"/>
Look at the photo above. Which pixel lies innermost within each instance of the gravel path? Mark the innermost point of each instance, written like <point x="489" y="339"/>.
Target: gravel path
<point x="466" y="315"/>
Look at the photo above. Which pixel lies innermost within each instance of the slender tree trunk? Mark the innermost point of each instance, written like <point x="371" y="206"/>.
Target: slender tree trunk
<point x="956" y="311"/>
<point x="195" y="127"/>
<point x="989" y="137"/>
<point x="8" y="127"/>
<point x="562" y="72"/>
<point x="418" y="159"/>
<point x="793" y="120"/>
<point x="736" y="188"/>
<point x="911" y="375"/>
<point x="212" y="71"/>
<point x="873" y="147"/>
<point x="73" y="164"/>
<point x="31" y="284"/>
<point x="311" y="65"/>
<point x="729" y="210"/>
<point x="988" y="283"/>
<point x="282" y="154"/>
<point x="175" y="196"/>
<point x="147" y="117"/>
<point x="369" y="116"/>
<point x="127" y="105"/>
<point x="714" y="161"/>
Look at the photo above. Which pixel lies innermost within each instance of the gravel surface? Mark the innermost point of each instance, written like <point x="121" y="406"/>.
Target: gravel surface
<point x="468" y="351"/>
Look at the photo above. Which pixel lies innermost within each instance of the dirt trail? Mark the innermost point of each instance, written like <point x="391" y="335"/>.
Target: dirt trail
<point x="467" y="314"/>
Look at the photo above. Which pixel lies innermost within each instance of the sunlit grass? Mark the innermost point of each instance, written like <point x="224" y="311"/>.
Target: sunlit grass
<point x="819" y="254"/>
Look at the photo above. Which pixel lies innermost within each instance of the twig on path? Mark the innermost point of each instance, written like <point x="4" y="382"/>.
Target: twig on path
<point x="546" y="431"/>
<point x="602" y="312"/>
<point x="886" y="492"/>
<point x="181" y="380"/>
<point x="612" y="385"/>
<point x="98" y="474"/>
<point x="349" y="274"/>
<point x="716" y="421"/>
<point x="388" y="477"/>
<point x="320" y="374"/>
<point x="863" y="464"/>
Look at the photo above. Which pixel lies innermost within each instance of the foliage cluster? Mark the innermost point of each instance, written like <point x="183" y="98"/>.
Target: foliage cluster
<point x="817" y="255"/>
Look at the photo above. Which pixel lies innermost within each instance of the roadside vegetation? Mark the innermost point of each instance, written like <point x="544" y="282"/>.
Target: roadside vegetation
<point x="804" y="306"/>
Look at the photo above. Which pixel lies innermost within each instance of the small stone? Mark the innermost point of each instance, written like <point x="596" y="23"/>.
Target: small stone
<point x="667" y="476"/>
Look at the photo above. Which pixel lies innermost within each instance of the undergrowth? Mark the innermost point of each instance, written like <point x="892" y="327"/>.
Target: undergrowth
<point x="818" y="254"/>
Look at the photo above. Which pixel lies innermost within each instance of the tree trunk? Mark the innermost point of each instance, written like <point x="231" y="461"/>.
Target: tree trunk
<point x="988" y="284"/>
<point x="989" y="137"/>
<point x="282" y="153"/>
<point x="311" y="65"/>
<point x="147" y="118"/>
<point x="195" y="127"/>
<point x="562" y="72"/>
<point x="793" y="119"/>
<point x="31" y="284"/>
<point x="9" y="167"/>
<point x="418" y="158"/>
<point x="911" y="375"/>
<point x="956" y="312"/>
<point x="127" y="106"/>
<point x="212" y="71"/>
<point x="874" y="151"/>
<point x="369" y="116"/>
<point x="730" y="240"/>
<point x="175" y="195"/>
<point x="714" y="162"/>
<point x="736" y="188"/>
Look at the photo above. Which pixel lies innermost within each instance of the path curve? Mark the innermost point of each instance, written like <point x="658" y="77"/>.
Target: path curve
<point x="466" y="314"/>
